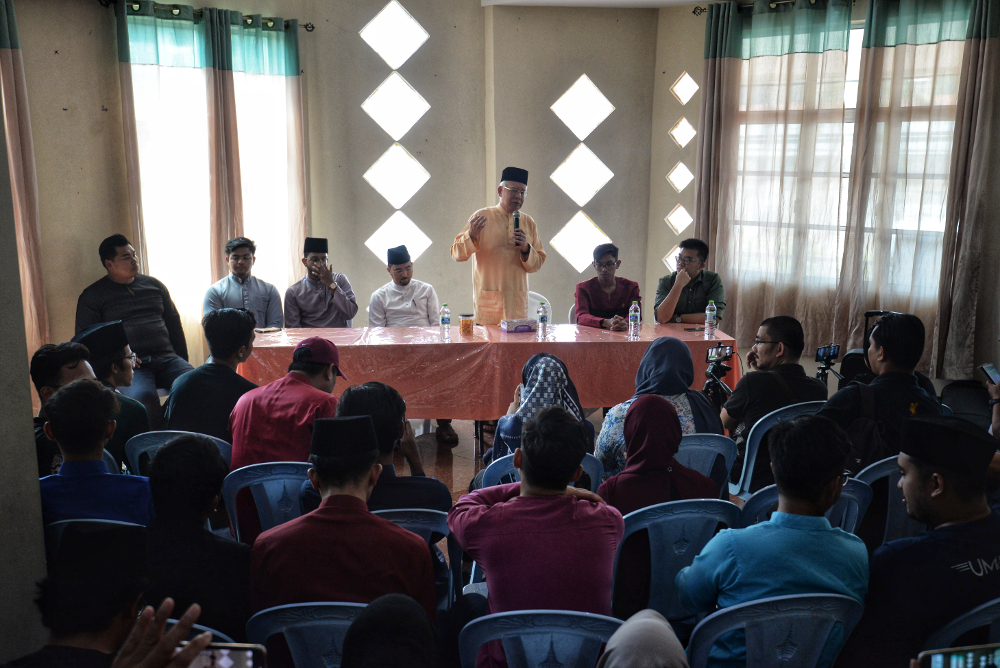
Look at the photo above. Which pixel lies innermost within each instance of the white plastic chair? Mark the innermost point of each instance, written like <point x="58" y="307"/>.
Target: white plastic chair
<point x="572" y="314"/>
<point x="534" y="299"/>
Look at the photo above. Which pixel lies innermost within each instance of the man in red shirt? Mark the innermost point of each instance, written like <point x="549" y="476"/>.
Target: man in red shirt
<point x="274" y="423"/>
<point x="604" y="301"/>
<point x="542" y="544"/>
<point x="340" y="552"/>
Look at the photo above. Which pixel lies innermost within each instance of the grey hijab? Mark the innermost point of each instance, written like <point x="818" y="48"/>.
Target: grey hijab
<point x="646" y="640"/>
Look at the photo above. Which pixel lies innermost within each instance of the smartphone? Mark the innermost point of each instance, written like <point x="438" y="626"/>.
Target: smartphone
<point x="266" y="330"/>
<point x="226" y="655"/>
<point x="694" y="329"/>
<point x="718" y="354"/>
<point x="828" y="353"/>
<point x="991" y="372"/>
<point x="961" y="657"/>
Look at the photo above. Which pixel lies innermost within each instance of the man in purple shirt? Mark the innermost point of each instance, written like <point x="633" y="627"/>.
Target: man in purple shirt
<point x="322" y="298"/>
<point x="542" y="544"/>
<point x="604" y="301"/>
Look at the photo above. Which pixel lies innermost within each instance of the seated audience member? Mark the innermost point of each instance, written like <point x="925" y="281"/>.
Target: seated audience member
<point x="274" y="423"/>
<point x="392" y="632"/>
<point x="406" y="302"/>
<point x="896" y="344"/>
<point x="920" y="584"/>
<point x="53" y="366"/>
<point x="80" y="420"/>
<point x="683" y="295"/>
<point x="666" y="370"/>
<point x="646" y="640"/>
<point x="651" y="476"/>
<point x="542" y="544"/>
<point x="776" y="352"/>
<point x="321" y="298"/>
<point x="241" y="290"/>
<point x="203" y="399"/>
<point x="796" y="551"/>
<point x="151" y="321"/>
<point x="604" y="301"/>
<point x="340" y="551"/>
<point x="186" y="561"/>
<point x="90" y="603"/>
<point x="113" y="363"/>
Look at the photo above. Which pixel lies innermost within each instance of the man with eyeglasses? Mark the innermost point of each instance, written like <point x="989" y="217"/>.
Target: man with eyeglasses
<point x="322" y="298"/>
<point x="604" y="301"/>
<point x="683" y="295"/>
<point x="114" y="365"/>
<point x="780" y="381"/>
<point x="151" y="321"/>
<point x="406" y="302"/>
<point x="502" y="256"/>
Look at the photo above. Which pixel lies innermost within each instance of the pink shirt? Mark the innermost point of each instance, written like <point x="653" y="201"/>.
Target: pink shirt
<point x="539" y="552"/>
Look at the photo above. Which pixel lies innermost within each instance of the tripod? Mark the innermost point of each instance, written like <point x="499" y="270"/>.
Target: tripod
<point x="825" y="369"/>
<point x="715" y="389"/>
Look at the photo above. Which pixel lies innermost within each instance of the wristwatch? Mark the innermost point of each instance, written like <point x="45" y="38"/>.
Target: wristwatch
<point x="677" y="318"/>
<point x="994" y="402"/>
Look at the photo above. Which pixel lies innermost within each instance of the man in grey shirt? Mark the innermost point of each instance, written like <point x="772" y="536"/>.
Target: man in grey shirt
<point x="241" y="290"/>
<point x="323" y="298"/>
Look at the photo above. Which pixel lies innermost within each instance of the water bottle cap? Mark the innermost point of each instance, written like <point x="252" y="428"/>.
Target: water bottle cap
<point x="541" y="303"/>
<point x="710" y="301"/>
<point x="635" y="302"/>
<point x="443" y="304"/>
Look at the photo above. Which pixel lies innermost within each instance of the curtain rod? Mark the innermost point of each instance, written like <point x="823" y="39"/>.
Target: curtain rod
<point x="774" y="4"/>
<point x="199" y="13"/>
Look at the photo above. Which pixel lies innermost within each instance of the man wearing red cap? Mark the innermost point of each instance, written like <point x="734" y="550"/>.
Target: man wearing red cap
<point x="274" y="423"/>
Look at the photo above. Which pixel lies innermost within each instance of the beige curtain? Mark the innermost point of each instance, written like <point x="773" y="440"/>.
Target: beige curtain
<point x="134" y="183"/>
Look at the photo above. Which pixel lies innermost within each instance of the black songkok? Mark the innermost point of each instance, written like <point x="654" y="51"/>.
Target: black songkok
<point x="515" y="174"/>
<point x="103" y="339"/>
<point x="344" y="437"/>
<point x="315" y="245"/>
<point x="949" y="442"/>
<point x="398" y="255"/>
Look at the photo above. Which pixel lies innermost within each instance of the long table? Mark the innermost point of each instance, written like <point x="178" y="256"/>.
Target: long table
<point x="473" y="378"/>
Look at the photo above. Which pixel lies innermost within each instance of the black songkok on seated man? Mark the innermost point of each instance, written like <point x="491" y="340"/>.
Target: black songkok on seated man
<point x="398" y="255"/>
<point x="315" y="245"/>
<point x="103" y="340"/>
<point x="515" y="174"/>
<point x="949" y="442"/>
<point x="345" y="437"/>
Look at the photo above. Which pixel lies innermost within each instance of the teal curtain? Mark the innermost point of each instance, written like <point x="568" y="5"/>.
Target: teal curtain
<point x="736" y="31"/>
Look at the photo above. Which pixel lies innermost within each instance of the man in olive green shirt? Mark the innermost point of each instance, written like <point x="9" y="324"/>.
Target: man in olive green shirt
<point x="683" y="295"/>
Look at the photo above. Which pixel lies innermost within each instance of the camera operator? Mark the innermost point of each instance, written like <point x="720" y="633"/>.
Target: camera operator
<point x="780" y="381"/>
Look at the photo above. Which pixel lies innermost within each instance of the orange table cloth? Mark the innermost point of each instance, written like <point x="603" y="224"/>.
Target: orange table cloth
<point x="473" y="378"/>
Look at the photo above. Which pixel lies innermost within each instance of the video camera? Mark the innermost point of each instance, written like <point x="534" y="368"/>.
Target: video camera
<point x="719" y="353"/>
<point x="715" y="389"/>
<point x="826" y="355"/>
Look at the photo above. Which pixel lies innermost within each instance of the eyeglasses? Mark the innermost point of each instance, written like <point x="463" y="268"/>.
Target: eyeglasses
<point x="685" y="261"/>
<point x="133" y="358"/>
<point x="606" y="265"/>
<point x="515" y="191"/>
<point x="758" y="342"/>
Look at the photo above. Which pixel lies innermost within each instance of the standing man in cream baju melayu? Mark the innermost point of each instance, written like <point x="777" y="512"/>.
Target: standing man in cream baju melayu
<point x="502" y="257"/>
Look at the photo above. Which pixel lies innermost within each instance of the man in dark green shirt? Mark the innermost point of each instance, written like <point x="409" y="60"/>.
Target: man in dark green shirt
<point x="683" y="295"/>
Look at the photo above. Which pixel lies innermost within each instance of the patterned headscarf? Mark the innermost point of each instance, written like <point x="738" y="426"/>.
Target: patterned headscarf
<point x="546" y="383"/>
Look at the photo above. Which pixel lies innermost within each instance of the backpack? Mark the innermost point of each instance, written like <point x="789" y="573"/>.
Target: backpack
<point x="868" y="436"/>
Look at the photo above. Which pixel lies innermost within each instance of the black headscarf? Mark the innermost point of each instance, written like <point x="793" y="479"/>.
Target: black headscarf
<point x="392" y="632"/>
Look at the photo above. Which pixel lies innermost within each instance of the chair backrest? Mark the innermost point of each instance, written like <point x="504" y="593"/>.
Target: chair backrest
<point x="314" y="631"/>
<point x="275" y="487"/>
<point x="897" y="523"/>
<point x="431" y="525"/>
<point x="699" y="452"/>
<point x="678" y="530"/>
<point x="54" y="532"/>
<point x="111" y="462"/>
<point x="572" y="314"/>
<point x="847" y="513"/>
<point x="756" y="435"/>
<point x="539" y="637"/>
<point x="504" y="466"/>
<point x="197" y="629"/>
<point x="946" y="410"/>
<point x="151" y="441"/>
<point x="790" y="631"/>
<point x="534" y="299"/>
<point x="988" y="614"/>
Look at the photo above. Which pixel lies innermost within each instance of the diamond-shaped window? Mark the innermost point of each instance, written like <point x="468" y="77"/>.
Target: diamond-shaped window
<point x="399" y="229"/>
<point x="395" y="106"/>
<point x="577" y="240"/>
<point x="397" y="176"/>
<point x="680" y="176"/>
<point x="581" y="175"/>
<point x="670" y="258"/>
<point x="394" y="34"/>
<point x="583" y="107"/>
<point x="684" y="88"/>
<point x="679" y="219"/>
<point x="682" y="132"/>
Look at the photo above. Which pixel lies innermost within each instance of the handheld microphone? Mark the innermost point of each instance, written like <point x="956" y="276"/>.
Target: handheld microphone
<point x="517" y="220"/>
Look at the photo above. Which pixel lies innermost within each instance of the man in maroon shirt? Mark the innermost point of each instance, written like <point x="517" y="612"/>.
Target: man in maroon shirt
<point x="274" y="423"/>
<point x="604" y="301"/>
<point x="340" y="552"/>
<point x="542" y="544"/>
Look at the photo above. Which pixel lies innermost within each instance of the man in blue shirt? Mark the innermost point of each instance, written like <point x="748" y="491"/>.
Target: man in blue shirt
<point x="796" y="551"/>
<point x="80" y="420"/>
<point x="920" y="584"/>
<point x="242" y="290"/>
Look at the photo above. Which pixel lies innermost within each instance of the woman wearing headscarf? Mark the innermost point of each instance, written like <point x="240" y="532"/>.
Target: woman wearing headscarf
<point x="666" y="370"/>
<point x="393" y="631"/>
<point x="646" y="640"/>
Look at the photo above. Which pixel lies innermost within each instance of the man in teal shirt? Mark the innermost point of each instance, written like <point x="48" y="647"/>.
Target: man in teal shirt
<point x="683" y="295"/>
<point x="796" y="551"/>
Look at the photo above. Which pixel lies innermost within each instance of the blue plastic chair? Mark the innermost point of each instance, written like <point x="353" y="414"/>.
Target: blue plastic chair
<point x="151" y="441"/>
<point x="197" y="629"/>
<point x="539" y="637"/>
<point x="786" y="631"/>
<point x="504" y="466"/>
<point x="429" y="524"/>
<point x="699" y="452"/>
<point x="847" y="513"/>
<point x="988" y="614"/>
<point x="275" y="487"/>
<point x="314" y="631"/>
<point x="897" y="523"/>
<point x="54" y="532"/>
<point x="111" y="462"/>
<point x="756" y="435"/>
<point x="946" y="410"/>
<point x="678" y="530"/>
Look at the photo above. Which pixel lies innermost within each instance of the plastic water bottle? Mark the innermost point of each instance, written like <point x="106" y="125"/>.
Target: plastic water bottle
<point x="710" y="316"/>
<point x="633" y="321"/>
<point x="445" y="316"/>
<point x="542" y="318"/>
